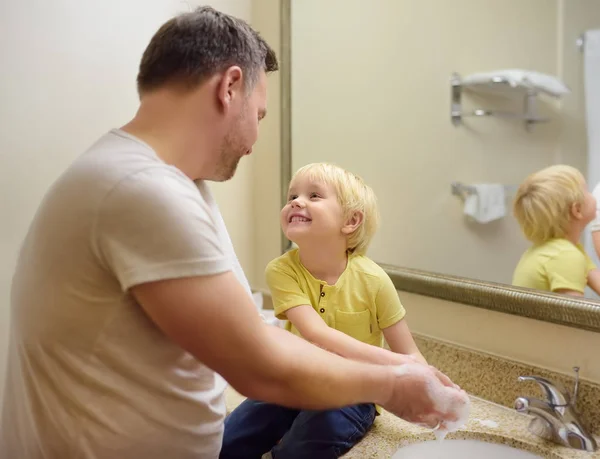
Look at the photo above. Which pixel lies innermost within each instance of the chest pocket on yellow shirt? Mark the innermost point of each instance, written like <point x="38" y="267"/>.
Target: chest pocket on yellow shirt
<point x="355" y="324"/>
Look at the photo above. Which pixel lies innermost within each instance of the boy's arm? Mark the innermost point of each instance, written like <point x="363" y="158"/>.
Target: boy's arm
<point x="314" y="329"/>
<point x="390" y="313"/>
<point x="565" y="291"/>
<point x="568" y="272"/>
<point x="399" y="339"/>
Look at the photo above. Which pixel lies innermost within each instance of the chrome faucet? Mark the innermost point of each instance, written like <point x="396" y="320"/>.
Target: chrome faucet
<point x="556" y="419"/>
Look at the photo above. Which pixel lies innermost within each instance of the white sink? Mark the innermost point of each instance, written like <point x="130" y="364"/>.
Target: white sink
<point x="461" y="449"/>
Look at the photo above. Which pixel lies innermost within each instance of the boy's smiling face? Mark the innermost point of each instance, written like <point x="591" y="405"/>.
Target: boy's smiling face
<point x="312" y="212"/>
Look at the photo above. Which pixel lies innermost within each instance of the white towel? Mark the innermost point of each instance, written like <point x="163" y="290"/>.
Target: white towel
<point x="487" y="203"/>
<point x="548" y="84"/>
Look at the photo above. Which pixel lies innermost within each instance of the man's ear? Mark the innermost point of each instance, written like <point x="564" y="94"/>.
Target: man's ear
<point x="230" y="86"/>
<point x="352" y="223"/>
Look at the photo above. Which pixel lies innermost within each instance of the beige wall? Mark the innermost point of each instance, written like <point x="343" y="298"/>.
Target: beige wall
<point x="67" y="78"/>
<point x="542" y="344"/>
<point x="235" y="196"/>
<point x="267" y="190"/>
<point x="371" y="93"/>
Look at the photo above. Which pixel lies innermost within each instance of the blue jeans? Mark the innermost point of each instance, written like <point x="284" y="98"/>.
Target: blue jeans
<point x="255" y="428"/>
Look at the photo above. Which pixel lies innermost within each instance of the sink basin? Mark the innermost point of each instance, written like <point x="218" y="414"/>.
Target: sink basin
<point x="460" y="449"/>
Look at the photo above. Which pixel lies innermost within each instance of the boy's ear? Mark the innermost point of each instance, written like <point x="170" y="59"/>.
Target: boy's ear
<point x="576" y="211"/>
<point x="352" y="223"/>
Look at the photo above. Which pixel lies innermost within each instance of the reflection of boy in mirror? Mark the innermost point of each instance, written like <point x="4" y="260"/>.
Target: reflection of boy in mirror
<point x="553" y="206"/>
<point x="334" y="296"/>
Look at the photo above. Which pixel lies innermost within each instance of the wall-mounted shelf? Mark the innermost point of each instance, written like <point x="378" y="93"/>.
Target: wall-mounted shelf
<point x="495" y="85"/>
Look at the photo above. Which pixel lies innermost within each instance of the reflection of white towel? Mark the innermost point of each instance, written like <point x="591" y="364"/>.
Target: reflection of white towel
<point x="548" y="84"/>
<point x="486" y="203"/>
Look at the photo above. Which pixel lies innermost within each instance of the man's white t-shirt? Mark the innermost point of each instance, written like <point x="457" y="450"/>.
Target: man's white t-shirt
<point x="89" y="375"/>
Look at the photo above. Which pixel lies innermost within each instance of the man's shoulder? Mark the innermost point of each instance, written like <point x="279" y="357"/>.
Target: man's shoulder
<point x="110" y="161"/>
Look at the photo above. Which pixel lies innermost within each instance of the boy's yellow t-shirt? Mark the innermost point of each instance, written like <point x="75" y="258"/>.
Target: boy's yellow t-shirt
<point x="554" y="265"/>
<point x="361" y="304"/>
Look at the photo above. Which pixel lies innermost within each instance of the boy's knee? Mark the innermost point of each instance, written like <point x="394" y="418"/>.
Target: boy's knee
<point x="326" y="434"/>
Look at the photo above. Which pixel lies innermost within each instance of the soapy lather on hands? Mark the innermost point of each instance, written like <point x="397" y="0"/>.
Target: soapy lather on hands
<point x="431" y="399"/>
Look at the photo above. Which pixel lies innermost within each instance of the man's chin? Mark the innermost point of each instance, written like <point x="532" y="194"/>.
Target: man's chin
<point x="225" y="173"/>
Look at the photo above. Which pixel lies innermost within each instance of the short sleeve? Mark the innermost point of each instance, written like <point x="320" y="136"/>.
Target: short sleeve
<point x="567" y="270"/>
<point x="595" y="224"/>
<point x="389" y="307"/>
<point x="155" y="225"/>
<point x="285" y="289"/>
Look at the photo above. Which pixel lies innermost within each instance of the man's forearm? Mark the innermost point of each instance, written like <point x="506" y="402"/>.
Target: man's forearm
<point x="299" y="374"/>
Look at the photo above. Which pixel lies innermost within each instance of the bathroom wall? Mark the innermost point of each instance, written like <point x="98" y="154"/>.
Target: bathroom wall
<point x="68" y="75"/>
<point x="529" y="341"/>
<point x="266" y="189"/>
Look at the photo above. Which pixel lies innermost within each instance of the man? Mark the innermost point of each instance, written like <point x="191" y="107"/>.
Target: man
<point x="128" y="304"/>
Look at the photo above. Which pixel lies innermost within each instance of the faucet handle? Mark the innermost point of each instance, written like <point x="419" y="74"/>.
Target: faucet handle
<point x="576" y="386"/>
<point x="555" y="393"/>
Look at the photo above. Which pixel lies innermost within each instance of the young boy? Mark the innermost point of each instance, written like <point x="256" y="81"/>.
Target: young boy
<point x="553" y="206"/>
<point x="337" y="298"/>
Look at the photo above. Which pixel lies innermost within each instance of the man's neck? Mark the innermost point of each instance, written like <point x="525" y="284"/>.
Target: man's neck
<point x="157" y="124"/>
<point x="324" y="262"/>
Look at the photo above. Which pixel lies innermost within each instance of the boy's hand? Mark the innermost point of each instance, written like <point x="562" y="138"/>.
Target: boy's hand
<point x="402" y="359"/>
<point x="406" y="359"/>
<point x="425" y="396"/>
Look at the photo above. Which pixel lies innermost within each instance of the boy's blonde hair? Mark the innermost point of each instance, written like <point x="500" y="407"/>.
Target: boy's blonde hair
<point x="544" y="201"/>
<point x="354" y="195"/>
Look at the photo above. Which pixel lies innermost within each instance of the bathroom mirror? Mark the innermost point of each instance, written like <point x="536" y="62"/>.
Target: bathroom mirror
<point x="373" y="88"/>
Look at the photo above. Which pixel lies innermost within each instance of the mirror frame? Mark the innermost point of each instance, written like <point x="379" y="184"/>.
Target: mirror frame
<point x="549" y="307"/>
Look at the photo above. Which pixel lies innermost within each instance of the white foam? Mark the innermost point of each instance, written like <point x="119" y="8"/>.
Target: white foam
<point x="440" y="434"/>
<point x="487" y="423"/>
<point x="447" y="400"/>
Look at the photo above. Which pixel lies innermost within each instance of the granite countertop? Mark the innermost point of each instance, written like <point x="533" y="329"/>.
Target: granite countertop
<point x="487" y="422"/>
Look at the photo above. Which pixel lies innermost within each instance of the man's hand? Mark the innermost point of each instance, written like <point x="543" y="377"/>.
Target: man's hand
<point x="422" y="395"/>
<point x="404" y="359"/>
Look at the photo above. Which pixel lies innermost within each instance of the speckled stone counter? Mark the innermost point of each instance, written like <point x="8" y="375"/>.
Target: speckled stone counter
<point x="487" y="422"/>
<point x="496" y="379"/>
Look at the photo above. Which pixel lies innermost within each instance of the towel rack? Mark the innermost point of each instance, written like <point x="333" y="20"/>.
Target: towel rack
<point x="462" y="190"/>
<point x="529" y="114"/>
